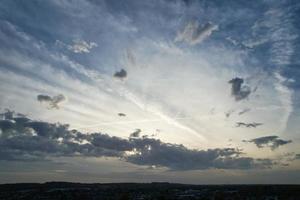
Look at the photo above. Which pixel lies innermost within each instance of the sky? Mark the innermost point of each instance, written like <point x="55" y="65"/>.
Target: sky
<point x="185" y="91"/>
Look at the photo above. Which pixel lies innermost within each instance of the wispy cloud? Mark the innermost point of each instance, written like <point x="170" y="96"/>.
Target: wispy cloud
<point x="78" y="46"/>
<point x="194" y="34"/>
<point x="285" y="97"/>
<point x="244" y="111"/>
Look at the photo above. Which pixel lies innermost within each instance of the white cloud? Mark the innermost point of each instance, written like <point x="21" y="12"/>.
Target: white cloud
<point x="194" y="34"/>
<point x="285" y="96"/>
<point x="78" y="46"/>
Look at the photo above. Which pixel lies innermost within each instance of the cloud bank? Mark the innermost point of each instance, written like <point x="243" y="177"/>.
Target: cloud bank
<point x="27" y="140"/>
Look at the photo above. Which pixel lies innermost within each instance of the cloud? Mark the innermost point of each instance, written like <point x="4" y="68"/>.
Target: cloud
<point x="121" y="74"/>
<point x="53" y="102"/>
<point x="237" y="90"/>
<point x="194" y="34"/>
<point x="177" y="157"/>
<point x="29" y="140"/>
<point x="273" y="142"/>
<point x="136" y="133"/>
<point x="228" y="113"/>
<point x="81" y="46"/>
<point x="244" y="111"/>
<point x="44" y="98"/>
<point x="285" y="96"/>
<point x="248" y="125"/>
<point x="130" y="57"/>
<point x="78" y="46"/>
<point x="8" y="114"/>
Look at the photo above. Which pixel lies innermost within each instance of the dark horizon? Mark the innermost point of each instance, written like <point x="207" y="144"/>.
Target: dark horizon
<point x="138" y="191"/>
<point x="181" y="91"/>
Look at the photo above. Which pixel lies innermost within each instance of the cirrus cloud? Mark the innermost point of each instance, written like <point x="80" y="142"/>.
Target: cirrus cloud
<point x="194" y="34"/>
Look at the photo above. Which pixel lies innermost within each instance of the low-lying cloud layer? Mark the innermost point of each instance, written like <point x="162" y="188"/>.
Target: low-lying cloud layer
<point x="24" y="139"/>
<point x="53" y="102"/>
<point x="194" y="34"/>
<point x="238" y="91"/>
<point x="273" y="142"/>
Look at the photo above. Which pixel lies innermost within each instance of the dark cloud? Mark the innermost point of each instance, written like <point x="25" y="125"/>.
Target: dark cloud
<point x="29" y="140"/>
<point x="8" y="114"/>
<point x="136" y="133"/>
<point x="121" y="114"/>
<point x="228" y="113"/>
<point x="237" y="90"/>
<point x="244" y="111"/>
<point x="272" y="142"/>
<point x="6" y="124"/>
<point x="194" y="34"/>
<point x="53" y="102"/>
<point x="112" y="143"/>
<point x="44" y="98"/>
<point x="248" y="125"/>
<point x="121" y="74"/>
<point x="177" y="157"/>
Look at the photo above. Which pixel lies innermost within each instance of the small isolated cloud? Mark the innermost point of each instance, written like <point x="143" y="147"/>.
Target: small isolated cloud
<point x="23" y="139"/>
<point x="194" y="34"/>
<point x="78" y="46"/>
<point x="272" y="142"/>
<point x="121" y="114"/>
<point x="121" y="74"/>
<point x="136" y="133"/>
<point x="130" y="57"/>
<point x="244" y="111"/>
<point x="248" y="125"/>
<point x="53" y="102"/>
<point x="238" y="91"/>
<point x="81" y="46"/>
<point x="228" y="113"/>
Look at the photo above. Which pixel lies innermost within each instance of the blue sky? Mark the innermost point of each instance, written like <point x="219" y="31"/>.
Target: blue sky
<point x="181" y="91"/>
